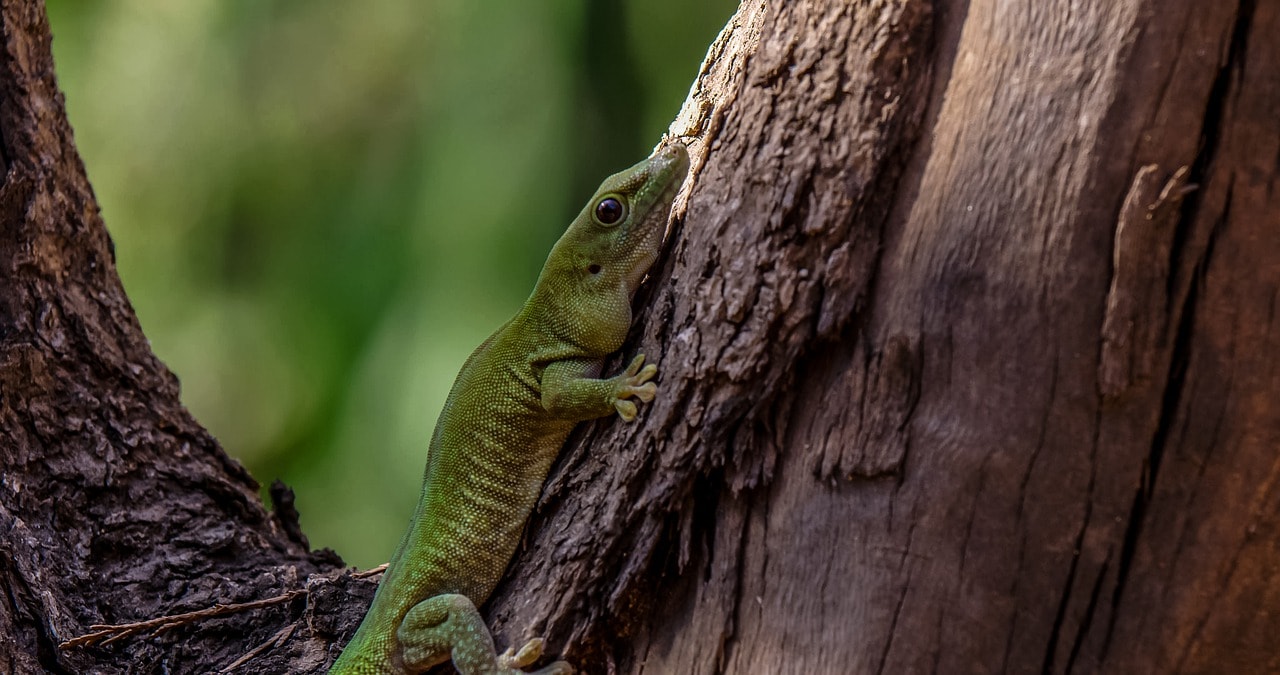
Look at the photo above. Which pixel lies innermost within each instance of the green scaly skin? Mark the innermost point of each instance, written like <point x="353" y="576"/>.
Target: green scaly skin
<point x="515" y="401"/>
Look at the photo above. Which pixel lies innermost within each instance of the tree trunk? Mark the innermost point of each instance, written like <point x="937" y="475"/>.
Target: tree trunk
<point x="969" y="360"/>
<point x="115" y="505"/>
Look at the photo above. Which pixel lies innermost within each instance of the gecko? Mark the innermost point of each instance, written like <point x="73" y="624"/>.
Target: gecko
<point x="510" y="410"/>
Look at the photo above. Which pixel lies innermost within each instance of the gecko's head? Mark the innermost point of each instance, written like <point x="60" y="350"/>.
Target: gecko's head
<point x="616" y="238"/>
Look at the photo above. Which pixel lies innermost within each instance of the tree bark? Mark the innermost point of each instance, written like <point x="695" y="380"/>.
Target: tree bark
<point x="969" y="349"/>
<point x="969" y="352"/>
<point x="115" y="505"/>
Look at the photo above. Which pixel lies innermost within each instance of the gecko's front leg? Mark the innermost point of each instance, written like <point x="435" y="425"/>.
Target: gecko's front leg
<point x="567" y="393"/>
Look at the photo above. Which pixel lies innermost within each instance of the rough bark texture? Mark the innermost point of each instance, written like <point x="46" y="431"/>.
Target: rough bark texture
<point x="969" y="346"/>
<point x="115" y="505"/>
<point x="1009" y="407"/>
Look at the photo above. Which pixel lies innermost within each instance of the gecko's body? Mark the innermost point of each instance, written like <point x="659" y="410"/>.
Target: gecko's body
<point x="513" y="404"/>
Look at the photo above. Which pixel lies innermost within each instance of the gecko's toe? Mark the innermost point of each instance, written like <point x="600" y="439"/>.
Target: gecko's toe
<point x="529" y="653"/>
<point x="626" y="409"/>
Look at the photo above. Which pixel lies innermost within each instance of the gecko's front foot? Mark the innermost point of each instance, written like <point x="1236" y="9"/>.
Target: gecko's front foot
<point x="634" y="382"/>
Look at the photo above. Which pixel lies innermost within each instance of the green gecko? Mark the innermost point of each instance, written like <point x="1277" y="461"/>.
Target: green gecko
<point x="510" y="410"/>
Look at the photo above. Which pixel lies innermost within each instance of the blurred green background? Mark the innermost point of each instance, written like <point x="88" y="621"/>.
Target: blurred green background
<point x="321" y="206"/>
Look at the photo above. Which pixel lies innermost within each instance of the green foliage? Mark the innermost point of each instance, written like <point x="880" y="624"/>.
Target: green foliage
<point x="321" y="207"/>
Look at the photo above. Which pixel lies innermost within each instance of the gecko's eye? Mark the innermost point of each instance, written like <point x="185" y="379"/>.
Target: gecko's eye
<point x="610" y="210"/>
<point x="593" y="268"/>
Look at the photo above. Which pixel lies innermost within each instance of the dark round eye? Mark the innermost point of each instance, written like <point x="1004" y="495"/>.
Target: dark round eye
<point x="609" y="210"/>
<point x="593" y="268"/>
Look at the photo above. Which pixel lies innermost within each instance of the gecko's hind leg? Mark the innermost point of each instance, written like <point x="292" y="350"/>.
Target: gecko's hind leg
<point x="448" y="625"/>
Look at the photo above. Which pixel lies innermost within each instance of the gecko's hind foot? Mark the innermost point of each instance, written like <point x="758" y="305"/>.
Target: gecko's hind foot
<point x="514" y="661"/>
<point x="529" y="653"/>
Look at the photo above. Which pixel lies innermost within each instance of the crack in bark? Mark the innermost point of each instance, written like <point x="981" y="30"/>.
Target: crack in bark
<point x="1060" y="616"/>
<point x="893" y="626"/>
<point x="1086" y="621"/>
<point x="730" y="641"/>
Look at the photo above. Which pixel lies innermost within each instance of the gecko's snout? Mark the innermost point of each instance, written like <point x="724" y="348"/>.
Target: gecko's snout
<point x="666" y="170"/>
<point x="673" y="155"/>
